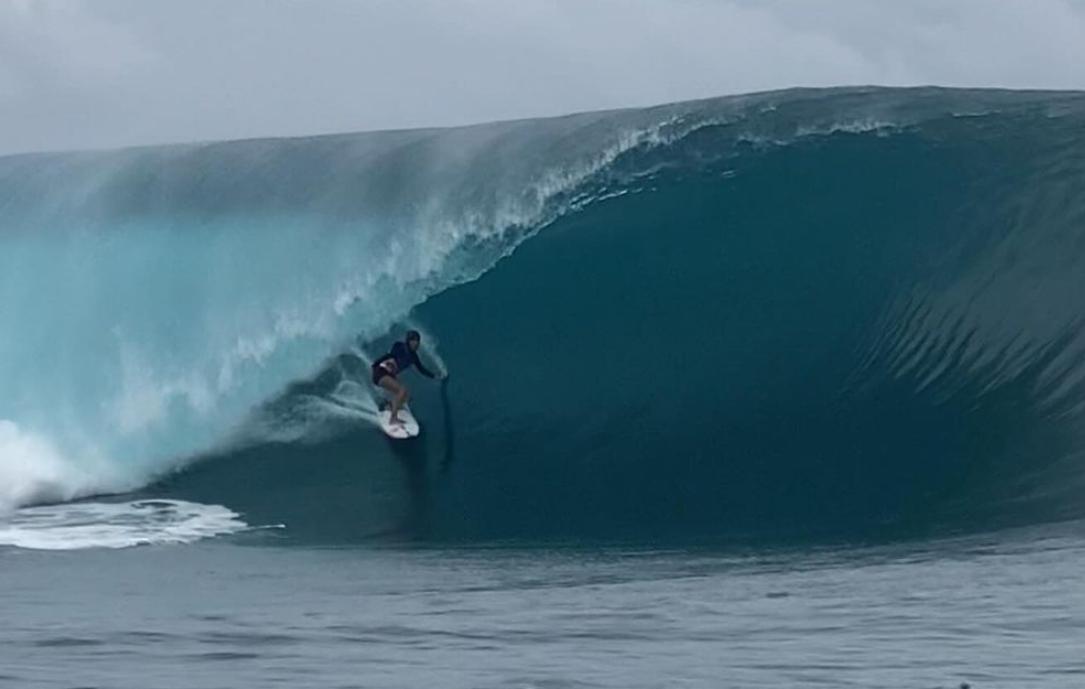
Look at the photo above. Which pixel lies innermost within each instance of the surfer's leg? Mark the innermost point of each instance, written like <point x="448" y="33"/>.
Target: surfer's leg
<point x="399" y="395"/>
<point x="399" y="401"/>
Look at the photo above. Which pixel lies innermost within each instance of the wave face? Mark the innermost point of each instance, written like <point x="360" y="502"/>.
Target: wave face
<point x="814" y="311"/>
<point x="153" y="297"/>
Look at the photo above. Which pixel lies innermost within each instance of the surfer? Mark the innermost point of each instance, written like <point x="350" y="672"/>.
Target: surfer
<point x="385" y="369"/>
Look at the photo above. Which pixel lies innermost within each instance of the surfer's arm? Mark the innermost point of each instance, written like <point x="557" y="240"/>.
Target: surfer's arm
<point x="421" y="369"/>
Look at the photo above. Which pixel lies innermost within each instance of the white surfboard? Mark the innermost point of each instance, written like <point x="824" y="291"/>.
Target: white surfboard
<point x="408" y="428"/>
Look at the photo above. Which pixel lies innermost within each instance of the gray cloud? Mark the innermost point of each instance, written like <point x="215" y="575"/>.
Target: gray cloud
<point x="103" y="73"/>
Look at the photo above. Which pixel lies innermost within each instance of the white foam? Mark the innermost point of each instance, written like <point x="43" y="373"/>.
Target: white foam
<point x="32" y="469"/>
<point x="75" y="526"/>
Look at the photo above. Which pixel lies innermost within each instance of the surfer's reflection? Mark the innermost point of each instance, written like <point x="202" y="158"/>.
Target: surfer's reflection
<point x="413" y="457"/>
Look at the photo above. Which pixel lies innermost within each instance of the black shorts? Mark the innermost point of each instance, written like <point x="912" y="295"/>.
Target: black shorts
<point x="380" y="372"/>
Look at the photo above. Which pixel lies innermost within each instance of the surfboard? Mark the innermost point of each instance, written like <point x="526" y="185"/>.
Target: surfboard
<point x="408" y="429"/>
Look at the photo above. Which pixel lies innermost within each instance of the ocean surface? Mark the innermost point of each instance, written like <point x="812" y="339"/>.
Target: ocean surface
<point x="1005" y="611"/>
<point x="774" y="390"/>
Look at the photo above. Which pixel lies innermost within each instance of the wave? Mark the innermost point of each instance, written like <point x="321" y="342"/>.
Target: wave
<point x="812" y="310"/>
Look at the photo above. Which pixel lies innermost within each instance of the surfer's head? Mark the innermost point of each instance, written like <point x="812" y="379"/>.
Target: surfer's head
<point x="414" y="338"/>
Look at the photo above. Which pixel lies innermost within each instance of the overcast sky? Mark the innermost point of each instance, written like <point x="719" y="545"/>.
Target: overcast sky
<point x="105" y="73"/>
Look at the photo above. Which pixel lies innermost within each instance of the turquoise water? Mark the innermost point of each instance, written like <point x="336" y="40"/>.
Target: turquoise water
<point x="772" y="390"/>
